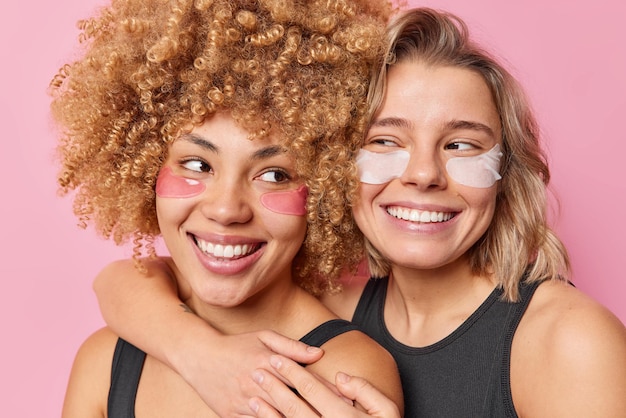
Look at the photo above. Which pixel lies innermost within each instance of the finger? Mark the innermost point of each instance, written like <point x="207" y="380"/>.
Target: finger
<point x="282" y="398"/>
<point x="313" y="390"/>
<point x="331" y="386"/>
<point x="262" y="409"/>
<point x="293" y="349"/>
<point x="367" y="396"/>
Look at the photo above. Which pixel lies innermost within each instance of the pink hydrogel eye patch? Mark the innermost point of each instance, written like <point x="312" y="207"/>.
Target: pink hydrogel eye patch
<point x="291" y="202"/>
<point x="170" y="185"/>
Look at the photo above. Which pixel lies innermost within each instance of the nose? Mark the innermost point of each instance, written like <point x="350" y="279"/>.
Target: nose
<point x="227" y="202"/>
<point x="425" y="171"/>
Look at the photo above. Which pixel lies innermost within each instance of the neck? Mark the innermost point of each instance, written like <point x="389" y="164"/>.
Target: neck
<point x="424" y="306"/>
<point x="283" y="307"/>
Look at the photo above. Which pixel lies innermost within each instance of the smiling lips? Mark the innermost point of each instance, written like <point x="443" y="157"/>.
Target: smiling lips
<point x="226" y="250"/>
<point x="422" y="216"/>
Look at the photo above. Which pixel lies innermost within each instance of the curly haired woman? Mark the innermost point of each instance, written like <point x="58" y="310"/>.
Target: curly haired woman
<point x="227" y="127"/>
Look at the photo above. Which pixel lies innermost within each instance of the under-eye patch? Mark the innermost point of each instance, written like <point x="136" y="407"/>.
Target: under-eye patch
<point x="170" y="185"/>
<point x="480" y="171"/>
<point x="380" y="168"/>
<point x="292" y="202"/>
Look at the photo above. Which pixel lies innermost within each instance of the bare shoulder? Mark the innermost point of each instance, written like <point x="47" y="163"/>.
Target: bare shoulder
<point x="344" y="303"/>
<point x="357" y="354"/>
<point x="89" y="382"/>
<point x="568" y="356"/>
<point x="559" y="311"/>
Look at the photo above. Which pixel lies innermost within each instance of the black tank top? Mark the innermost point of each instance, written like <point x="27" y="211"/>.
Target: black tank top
<point x="128" y="363"/>
<point x="465" y="374"/>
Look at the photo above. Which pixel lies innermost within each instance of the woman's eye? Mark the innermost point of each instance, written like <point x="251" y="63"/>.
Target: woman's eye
<point x="198" y="166"/>
<point x="382" y="141"/>
<point x="275" y="176"/>
<point x="461" y="146"/>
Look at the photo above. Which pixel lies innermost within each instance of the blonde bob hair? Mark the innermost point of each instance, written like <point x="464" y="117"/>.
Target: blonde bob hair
<point x="518" y="245"/>
<point x="151" y="70"/>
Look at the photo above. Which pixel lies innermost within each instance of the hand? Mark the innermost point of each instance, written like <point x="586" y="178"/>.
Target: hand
<point x="326" y="402"/>
<point x="224" y="379"/>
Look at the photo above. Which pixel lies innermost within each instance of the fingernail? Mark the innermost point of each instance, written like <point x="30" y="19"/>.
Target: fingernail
<point x="312" y="349"/>
<point x="254" y="405"/>
<point x="257" y="377"/>
<point x="275" y="362"/>
<point x="342" y="377"/>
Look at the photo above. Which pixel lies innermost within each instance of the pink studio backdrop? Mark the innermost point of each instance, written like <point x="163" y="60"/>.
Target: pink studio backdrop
<point x="571" y="56"/>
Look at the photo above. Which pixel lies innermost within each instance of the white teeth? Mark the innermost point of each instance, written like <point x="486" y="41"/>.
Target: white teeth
<point x="418" y="215"/>
<point x="224" y="251"/>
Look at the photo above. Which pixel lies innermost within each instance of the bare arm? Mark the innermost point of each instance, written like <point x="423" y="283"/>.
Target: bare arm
<point x="146" y="311"/>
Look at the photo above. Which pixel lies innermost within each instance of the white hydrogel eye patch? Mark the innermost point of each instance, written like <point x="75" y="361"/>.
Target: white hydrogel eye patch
<point x="379" y="168"/>
<point x="480" y="171"/>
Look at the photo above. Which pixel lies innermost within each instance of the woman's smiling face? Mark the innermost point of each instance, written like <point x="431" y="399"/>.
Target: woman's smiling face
<point x="423" y="218"/>
<point x="231" y="211"/>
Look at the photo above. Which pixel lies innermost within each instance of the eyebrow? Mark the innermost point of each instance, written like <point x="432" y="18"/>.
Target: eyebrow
<point x="199" y="141"/>
<point x="393" y="122"/>
<point x="268" y="152"/>
<point x="469" y="125"/>
<point x="260" y="154"/>
<point x="453" y="124"/>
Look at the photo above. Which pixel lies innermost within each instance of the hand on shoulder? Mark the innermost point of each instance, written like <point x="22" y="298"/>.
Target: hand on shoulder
<point x="356" y="354"/>
<point x="368" y="401"/>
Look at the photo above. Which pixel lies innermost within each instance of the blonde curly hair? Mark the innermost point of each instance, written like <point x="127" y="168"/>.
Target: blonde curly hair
<point x="519" y="244"/>
<point x="153" y="69"/>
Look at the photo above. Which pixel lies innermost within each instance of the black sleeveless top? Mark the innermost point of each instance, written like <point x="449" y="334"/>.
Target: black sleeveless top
<point x="128" y="363"/>
<point x="466" y="374"/>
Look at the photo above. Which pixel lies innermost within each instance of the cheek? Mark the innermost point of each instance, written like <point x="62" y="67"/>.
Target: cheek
<point x="287" y="231"/>
<point x="169" y="185"/>
<point x="292" y="202"/>
<point x="171" y="213"/>
<point x="482" y="204"/>
<point x="284" y="214"/>
<point x="363" y="210"/>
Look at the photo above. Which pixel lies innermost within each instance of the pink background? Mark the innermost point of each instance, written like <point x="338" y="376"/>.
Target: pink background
<point x="570" y="55"/>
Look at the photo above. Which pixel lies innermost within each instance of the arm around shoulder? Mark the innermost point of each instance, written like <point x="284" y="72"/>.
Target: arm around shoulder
<point x="145" y="310"/>
<point x="124" y="293"/>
